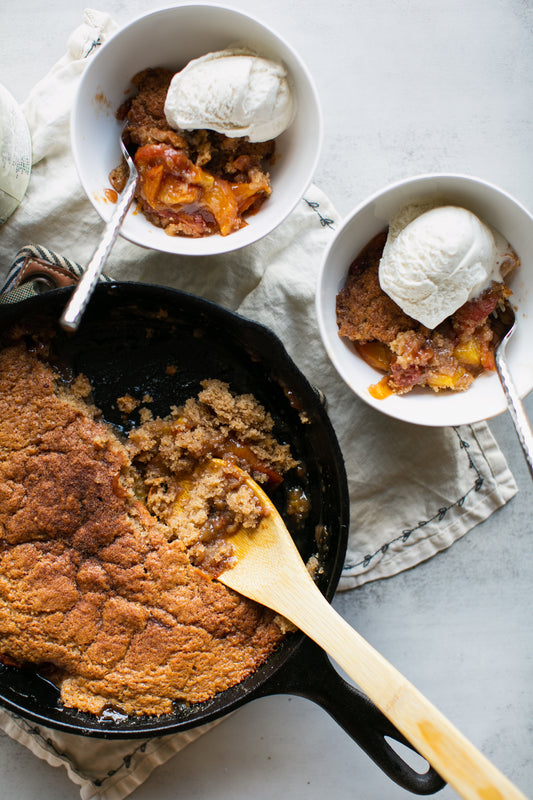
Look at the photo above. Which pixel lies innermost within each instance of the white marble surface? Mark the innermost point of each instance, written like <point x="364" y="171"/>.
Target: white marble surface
<point x="407" y="86"/>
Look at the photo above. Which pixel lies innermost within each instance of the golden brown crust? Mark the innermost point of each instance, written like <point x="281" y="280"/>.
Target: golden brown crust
<point x="364" y="312"/>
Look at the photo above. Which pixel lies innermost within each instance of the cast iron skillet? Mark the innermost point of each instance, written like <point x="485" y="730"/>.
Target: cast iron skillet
<point x="130" y="334"/>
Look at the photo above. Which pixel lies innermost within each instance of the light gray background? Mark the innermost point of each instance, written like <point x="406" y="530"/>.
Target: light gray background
<point x="407" y="86"/>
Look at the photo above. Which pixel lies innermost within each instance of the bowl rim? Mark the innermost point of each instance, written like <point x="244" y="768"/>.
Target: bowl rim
<point x="214" y="244"/>
<point x="405" y="413"/>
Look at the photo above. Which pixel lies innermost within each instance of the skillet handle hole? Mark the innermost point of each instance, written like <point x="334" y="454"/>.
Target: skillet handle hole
<point x="411" y="757"/>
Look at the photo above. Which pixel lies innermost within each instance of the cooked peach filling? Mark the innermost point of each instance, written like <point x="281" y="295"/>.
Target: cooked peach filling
<point x="172" y="186"/>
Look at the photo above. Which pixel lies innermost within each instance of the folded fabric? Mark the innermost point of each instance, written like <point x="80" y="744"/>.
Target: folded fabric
<point x="102" y="769"/>
<point x="413" y="491"/>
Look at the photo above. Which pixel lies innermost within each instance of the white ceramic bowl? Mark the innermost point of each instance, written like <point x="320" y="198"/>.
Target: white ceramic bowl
<point x="170" y="38"/>
<point x="485" y="398"/>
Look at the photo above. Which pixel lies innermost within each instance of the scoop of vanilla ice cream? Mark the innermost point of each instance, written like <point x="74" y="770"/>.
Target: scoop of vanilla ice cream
<point x="438" y="261"/>
<point x="234" y="92"/>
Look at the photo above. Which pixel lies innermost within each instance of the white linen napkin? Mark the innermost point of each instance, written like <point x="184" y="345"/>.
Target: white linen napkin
<point x="413" y="491"/>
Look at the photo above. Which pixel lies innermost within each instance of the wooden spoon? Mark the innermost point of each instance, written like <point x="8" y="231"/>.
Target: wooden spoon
<point x="269" y="569"/>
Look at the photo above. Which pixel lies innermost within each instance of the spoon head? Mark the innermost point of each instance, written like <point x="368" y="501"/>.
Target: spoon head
<point x="265" y="558"/>
<point x="130" y="162"/>
<point x="504" y="322"/>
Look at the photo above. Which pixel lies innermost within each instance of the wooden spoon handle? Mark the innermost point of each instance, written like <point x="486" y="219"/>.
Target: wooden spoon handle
<point x="456" y="760"/>
<point x="268" y="569"/>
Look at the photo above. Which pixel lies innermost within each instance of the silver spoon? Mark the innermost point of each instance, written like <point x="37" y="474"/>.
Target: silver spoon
<point x="516" y="408"/>
<point x="71" y="317"/>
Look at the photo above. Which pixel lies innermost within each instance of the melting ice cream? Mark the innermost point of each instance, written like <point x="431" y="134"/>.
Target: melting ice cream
<point x="438" y="261"/>
<point x="234" y="92"/>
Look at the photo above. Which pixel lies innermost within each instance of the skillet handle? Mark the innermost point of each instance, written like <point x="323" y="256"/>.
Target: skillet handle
<point x="309" y="673"/>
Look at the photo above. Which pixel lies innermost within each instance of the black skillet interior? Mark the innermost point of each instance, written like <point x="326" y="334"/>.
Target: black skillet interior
<point x="129" y="336"/>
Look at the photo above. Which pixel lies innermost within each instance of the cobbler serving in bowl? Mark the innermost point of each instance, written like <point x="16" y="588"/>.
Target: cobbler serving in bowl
<point x="448" y="356"/>
<point x="191" y="183"/>
<point x="225" y="165"/>
<point x="410" y="292"/>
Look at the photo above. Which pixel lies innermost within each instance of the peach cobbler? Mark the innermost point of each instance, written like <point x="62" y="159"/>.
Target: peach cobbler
<point x="191" y="183"/>
<point x="449" y="356"/>
<point x="109" y="542"/>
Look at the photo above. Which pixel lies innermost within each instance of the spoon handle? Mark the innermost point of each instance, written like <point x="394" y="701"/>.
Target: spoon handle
<point x="456" y="760"/>
<point x="516" y="408"/>
<point x="71" y="317"/>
